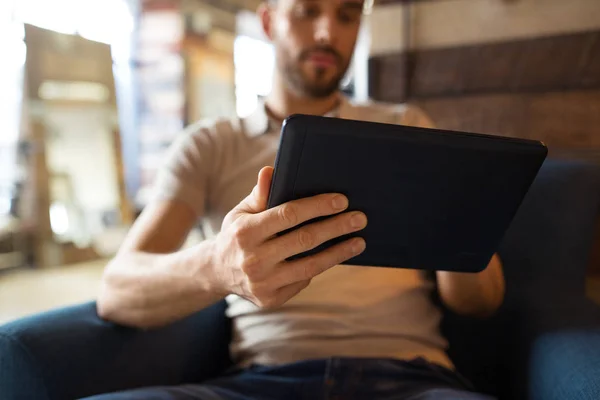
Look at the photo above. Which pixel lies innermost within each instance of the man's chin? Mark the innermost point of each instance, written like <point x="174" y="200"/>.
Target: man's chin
<point x="321" y="88"/>
<point x="320" y="91"/>
<point x="316" y="87"/>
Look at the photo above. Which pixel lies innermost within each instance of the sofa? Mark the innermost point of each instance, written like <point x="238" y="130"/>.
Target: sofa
<point x="543" y="343"/>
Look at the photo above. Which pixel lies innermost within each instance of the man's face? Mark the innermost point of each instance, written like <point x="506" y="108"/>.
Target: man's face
<point x="314" y="41"/>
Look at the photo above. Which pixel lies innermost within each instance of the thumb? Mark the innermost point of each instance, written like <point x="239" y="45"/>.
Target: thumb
<point x="256" y="201"/>
<point x="263" y="188"/>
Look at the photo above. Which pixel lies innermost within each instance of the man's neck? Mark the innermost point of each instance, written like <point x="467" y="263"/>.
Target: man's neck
<point x="281" y="103"/>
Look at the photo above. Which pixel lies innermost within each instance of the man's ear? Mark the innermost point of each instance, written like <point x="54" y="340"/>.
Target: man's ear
<point x="264" y="12"/>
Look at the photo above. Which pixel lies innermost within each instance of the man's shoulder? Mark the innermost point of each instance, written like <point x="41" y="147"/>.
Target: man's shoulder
<point x="213" y="126"/>
<point x="391" y="113"/>
<point x="203" y="139"/>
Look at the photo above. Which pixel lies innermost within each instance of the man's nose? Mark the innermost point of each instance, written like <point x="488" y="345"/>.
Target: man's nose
<point x="325" y="30"/>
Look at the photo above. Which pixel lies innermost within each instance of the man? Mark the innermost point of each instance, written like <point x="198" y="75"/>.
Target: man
<point x="309" y="328"/>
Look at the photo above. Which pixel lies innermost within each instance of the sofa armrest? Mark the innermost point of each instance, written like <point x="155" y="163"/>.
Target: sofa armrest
<point x="564" y="351"/>
<point x="565" y="365"/>
<point x="519" y="352"/>
<point x="556" y="351"/>
<point x="71" y="353"/>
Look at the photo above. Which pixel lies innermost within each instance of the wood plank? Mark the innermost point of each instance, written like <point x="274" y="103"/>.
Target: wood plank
<point x="387" y="77"/>
<point x="562" y="62"/>
<point x="590" y="70"/>
<point x="560" y="119"/>
<point x="430" y="76"/>
<point x="551" y="63"/>
<point x="490" y="68"/>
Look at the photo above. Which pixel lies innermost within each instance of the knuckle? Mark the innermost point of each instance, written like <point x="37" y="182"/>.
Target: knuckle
<point x="355" y="246"/>
<point x="316" y="265"/>
<point x="251" y="265"/>
<point x="324" y="205"/>
<point x="241" y="233"/>
<point x="343" y="253"/>
<point x="309" y="269"/>
<point x="305" y="239"/>
<point x="341" y="224"/>
<point x="350" y="251"/>
<point x="288" y="214"/>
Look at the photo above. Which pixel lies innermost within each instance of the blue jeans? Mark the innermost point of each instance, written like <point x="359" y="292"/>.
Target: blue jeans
<point x="335" y="378"/>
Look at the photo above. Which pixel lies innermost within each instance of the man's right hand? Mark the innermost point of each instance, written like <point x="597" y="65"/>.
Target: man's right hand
<point x="249" y="258"/>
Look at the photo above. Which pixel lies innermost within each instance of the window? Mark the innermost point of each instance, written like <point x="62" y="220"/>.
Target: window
<point x="107" y="21"/>
<point x="254" y="61"/>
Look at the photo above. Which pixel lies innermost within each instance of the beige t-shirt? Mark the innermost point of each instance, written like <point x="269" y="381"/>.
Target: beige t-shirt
<point x="348" y="310"/>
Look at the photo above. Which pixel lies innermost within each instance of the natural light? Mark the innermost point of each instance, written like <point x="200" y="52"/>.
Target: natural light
<point x="109" y="21"/>
<point x="106" y="21"/>
<point x="254" y="62"/>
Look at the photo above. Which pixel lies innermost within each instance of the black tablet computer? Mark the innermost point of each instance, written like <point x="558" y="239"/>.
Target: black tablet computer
<point x="435" y="199"/>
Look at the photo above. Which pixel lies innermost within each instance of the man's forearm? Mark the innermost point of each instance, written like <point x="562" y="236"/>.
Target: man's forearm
<point x="151" y="290"/>
<point x="473" y="293"/>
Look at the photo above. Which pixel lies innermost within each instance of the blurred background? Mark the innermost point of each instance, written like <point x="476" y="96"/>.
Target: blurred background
<point x="95" y="91"/>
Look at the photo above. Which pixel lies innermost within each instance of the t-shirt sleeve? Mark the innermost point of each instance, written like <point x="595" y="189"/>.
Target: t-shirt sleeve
<point x="186" y="170"/>
<point x="415" y="116"/>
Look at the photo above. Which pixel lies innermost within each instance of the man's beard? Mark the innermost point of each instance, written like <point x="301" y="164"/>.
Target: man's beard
<point x="298" y="82"/>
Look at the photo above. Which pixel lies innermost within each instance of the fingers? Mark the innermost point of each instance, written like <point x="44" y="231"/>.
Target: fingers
<point x="312" y="235"/>
<point x="307" y="268"/>
<point x="289" y="215"/>
<point x="263" y="187"/>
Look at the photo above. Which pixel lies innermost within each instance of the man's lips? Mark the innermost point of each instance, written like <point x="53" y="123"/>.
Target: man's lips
<point x="322" y="59"/>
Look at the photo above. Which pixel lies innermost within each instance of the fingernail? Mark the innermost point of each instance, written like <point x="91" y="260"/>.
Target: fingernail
<point x="340" y="202"/>
<point x="358" y="246"/>
<point x="358" y="221"/>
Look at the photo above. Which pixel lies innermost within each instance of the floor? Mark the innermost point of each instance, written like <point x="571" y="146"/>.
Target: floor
<point x="24" y="292"/>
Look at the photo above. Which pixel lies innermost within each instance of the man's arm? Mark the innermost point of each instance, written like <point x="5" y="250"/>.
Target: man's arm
<point x="150" y="283"/>
<point x="476" y="294"/>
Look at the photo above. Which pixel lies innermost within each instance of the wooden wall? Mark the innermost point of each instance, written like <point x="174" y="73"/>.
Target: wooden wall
<point x="543" y="88"/>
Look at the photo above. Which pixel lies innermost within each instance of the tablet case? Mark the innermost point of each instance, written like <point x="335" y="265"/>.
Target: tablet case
<point x="435" y="199"/>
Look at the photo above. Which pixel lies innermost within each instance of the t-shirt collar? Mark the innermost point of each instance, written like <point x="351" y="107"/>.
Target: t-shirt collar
<point x="258" y="123"/>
